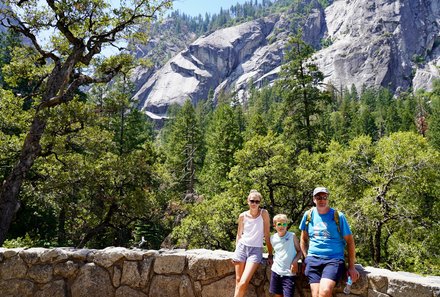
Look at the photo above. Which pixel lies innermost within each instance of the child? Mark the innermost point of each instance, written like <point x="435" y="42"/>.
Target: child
<point x="287" y="253"/>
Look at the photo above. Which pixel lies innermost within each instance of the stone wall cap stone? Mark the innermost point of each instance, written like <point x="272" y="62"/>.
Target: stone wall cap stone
<point x="32" y="255"/>
<point x="9" y="253"/>
<point x="55" y="255"/>
<point x="172" y="251"/>
<point x="432" y="281"/>
<point x="79" y="254"/>
<point x="210" y="254"/>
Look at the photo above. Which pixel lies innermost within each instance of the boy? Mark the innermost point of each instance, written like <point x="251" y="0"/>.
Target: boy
<point x="287" y="253"/>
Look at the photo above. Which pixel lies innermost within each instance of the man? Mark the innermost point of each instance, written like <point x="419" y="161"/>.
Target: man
<point x="323" y="243"/>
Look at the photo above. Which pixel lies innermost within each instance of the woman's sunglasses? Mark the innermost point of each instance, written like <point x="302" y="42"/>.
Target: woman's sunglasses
<point x="254" y="201"/>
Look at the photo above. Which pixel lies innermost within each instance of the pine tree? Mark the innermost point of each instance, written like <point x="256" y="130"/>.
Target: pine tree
<point x="434" y="118"/>
<point x="223" y="139"/>
<point x="183" y="146"/>
<point x="304" y="101"/>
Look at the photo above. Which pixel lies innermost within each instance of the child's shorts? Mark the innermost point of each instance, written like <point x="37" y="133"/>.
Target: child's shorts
<point x="244" y="253"/>
<point x="282" y="285"/>
<point x="317" y="268"/>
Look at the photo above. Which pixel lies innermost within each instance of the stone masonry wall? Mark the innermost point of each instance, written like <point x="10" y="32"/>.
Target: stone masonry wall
<point x="120" y="272"/>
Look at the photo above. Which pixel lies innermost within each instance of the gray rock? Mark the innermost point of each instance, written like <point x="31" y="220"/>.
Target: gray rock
<point x="66" y="270"/>
<point x="217" y="59"/>
<point x="426" y="74"/>
<point x="125" y="291"/>
<point x="54" y="256"/>
<point x="16" y="288"/>
<point x="221" y="287"/>
<point x="174" y="285"/>
<point x="169" y="264"/>
<point x="13" y="267"/>
<point x="92" y="280"/>
<point x="108" y="256"/>
<point x="375" y="42"/>
<point x="32" y="255"/>
<point x="41" y="273"/>
<point x="53" y="289"/>
<point x="389" y="43"/>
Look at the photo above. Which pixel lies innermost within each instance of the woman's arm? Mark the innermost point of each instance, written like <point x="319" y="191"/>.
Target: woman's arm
<point x="240" y="228"/>
<point x="266" y="220"/>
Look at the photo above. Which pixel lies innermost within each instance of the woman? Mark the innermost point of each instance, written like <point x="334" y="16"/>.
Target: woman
<point x="253" y="226"/>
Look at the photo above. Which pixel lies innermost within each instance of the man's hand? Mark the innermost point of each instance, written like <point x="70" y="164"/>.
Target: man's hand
<point x="353" y="273"/>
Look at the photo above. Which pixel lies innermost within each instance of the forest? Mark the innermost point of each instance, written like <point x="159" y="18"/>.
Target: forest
<point x="104" y="174"/>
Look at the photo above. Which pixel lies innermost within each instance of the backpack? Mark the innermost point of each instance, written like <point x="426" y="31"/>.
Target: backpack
<point x="335" y="217"/>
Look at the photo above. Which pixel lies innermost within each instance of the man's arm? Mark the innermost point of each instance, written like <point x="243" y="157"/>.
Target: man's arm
<point x="304" y="242"/>
<point x="354" y="274"/>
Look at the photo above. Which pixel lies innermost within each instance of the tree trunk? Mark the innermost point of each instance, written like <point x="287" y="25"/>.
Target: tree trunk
<point x="61" y="226"/>
<point x="99" y="228"/>
<point x="377" y="249"/>
<point x="9" y="191"/>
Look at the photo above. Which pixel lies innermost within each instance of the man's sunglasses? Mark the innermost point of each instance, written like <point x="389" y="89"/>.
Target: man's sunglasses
<point x="319" y="198"/>
<point x="254" y="201"/>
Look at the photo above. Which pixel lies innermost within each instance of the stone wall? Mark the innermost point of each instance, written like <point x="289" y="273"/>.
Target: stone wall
<point x="118" y="272"/>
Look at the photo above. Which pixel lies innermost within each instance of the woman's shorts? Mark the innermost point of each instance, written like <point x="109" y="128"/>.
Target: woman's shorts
<point x="244" y="253"/>
<point x="317" y="268"/>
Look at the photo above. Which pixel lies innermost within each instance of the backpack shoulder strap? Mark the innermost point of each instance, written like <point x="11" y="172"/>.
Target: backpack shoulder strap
<point x="309" y="216"/>
<point x="336" y="218"/>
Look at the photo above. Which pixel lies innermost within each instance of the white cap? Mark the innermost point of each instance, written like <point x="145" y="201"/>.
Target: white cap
<point x="320" y="190"/>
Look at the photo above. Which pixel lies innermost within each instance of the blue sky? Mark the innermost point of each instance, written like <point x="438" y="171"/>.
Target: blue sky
<point x="196" y="7"/>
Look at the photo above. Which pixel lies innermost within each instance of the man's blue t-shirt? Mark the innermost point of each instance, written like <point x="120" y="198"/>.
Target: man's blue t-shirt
<point x="324" y="239"/>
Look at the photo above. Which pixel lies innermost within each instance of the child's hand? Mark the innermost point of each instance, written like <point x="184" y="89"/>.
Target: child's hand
<point x="294" y="267"/>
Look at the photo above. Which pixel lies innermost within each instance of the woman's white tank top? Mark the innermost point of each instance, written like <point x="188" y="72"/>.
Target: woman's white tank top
<point x="253" y="230"/>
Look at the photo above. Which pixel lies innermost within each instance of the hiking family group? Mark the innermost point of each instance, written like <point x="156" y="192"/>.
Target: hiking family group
<point x="325" y="234"/>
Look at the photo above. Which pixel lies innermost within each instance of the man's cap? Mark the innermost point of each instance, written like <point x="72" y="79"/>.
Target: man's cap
<point x="320" y="190"/>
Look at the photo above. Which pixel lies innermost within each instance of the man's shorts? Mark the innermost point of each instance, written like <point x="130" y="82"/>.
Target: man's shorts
<point x="250" y="254"/>
<point x="317" y="268"/>
<point x="282" y="285"/>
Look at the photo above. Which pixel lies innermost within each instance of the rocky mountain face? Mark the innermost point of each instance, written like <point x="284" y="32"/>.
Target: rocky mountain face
<point x="390" y="43"/>
<point x="382" y="43"/>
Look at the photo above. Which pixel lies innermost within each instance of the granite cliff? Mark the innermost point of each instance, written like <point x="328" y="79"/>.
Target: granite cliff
<point x="390" y="43"/>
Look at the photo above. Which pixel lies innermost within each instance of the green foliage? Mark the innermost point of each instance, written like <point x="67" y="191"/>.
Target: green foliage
<point x="210" y="224"/>
<point x="386" y="188"/>
<point x="8" y="41"/>
<point x="299" y="88"/>
<point x="183" y="144"/>
<point x="19" y="242"/>
<point x="434" y="118"/>
<point x="223" y="139"/>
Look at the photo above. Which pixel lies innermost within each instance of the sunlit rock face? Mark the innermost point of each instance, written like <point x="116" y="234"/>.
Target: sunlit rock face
<point x="381" y="43"/>
<point x="394" y="44"/>
<point x="223" y="60"/>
